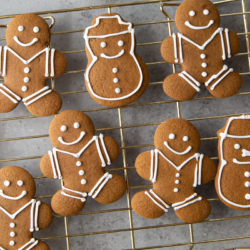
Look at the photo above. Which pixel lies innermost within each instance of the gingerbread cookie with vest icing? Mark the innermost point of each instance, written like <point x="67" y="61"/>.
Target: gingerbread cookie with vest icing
<point x="115" y="75"/>
<point x="79" y="158"/>
<point x="20" y="214"/>
<point x="200" y="49"/>
<point x="26" y="62"/>
<point x="175" y="168"/>
<point x="232" y="181"/>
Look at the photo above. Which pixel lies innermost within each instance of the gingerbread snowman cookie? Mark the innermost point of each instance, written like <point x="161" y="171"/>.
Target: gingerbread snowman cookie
<point x="115" y="74"/>
<point x="232" y="181"/>
<point x="200" y="48"/>
<point x="20" y="213"/>
<point x="175" y="168"/>
<point x="26" y="62"/>
<point x="78" y="159"/>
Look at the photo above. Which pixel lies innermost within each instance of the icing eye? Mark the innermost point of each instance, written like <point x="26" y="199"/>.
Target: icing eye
<point x="171" y="136"/>
<point x="237" y="146"/>
<point x="120" y="43"/>
<point x="191" y="13"/>
<point x="103" y="44"/>
<point x="20" y="28"/>
<point x="76" y="125"/>
<point x="185" y="138"/>
<point x="36" y="29"/>
<point x="6" y="183"/>
<point x="206" y="12"/>
<point x="63" y="128"/>
<point x="20" y="183"/>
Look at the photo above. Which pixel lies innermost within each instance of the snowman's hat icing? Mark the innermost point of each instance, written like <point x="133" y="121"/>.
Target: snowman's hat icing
<point x="104" y="24"/>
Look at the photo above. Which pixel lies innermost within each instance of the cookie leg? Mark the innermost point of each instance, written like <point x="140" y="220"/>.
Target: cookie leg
<point x="40" y="246"/>
<point x="7" y="103"/>
<point x="112" y="191"/>
<point x="227" y="84"/>
<point x="146" y="207"/>
<point x="48" y="104"/>
<point x="195" y="210"/>
<point x="69" y="204"/>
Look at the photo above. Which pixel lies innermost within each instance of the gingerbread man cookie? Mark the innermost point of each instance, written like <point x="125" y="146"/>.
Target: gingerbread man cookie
<point x="232" y="179"/>
<point x="78" y="159"/>
<point x="175" y="169"/>
<point x="26" y="62"/>
<point x="115" y="74"/>
<point x="20" y="213"/>
<point x="200" y="48"/>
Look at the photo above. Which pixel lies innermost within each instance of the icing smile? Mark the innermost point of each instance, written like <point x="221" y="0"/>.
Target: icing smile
<point x="187" y="23"/>
<point x="60" y="139"/>
<point x="178" y="153"/>
<point x="25" y="44"/>
<point x="12" y="198"/>
<point x="112" y="57"/>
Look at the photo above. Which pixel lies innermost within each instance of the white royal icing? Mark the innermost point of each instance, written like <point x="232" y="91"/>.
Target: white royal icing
<point x="83" y="194"/>
<point x="36" y="29"/>
<point x="194" y="83"/>
<point x="187" y="23"/>
<point x="114" y="70"/>
<point x="120" y="43"/>
<point x="192" y="13"/>
<point x="82" y="134"/>
<point x="20" y="183"/>
<point x="6" y="183"/>
<point x="103" y="44"/>
<point x="178" y="153"/>
<point x="115" y="80"/>
<point x="175" y="49"/>
<point x="95" y="58"/>
<point x="237" y="146"/>
<point x="228" y="43"/>
<point x="171" y="136"/>
<point x="63" y="128"/>
<point x="20" y="28"/>
<point x="24" y="88"/>
<point x="185" y="138"/>
<point x="204" y="65"/>
<point x="164" y="207"/>
<point x="205" y="12"/>
<point x="25" y="44"/>
<point x="245" y="153"/>
<point x="203" y="56"/>
<point x="182" y="202"/>
<point x="247" y="174"/>
<point x="188" y="203"/>
<point x="12" y="198"/>
<point x="7" y="95"/>
<point x="223" y="136"/>
<point x="76" y="125"/>
<point x="26" y="70"/>
<point x="26" y="79"/>
<point x="83" y="181"/>
<point x="176" y="190"/>
<point x="118" y="90"/>
<point x="52" y="71"/>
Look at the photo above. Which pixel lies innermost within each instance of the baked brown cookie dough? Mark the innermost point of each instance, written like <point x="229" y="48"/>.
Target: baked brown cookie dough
<point x="20" y="213"/>
<point x="232" y="181"/>
<point x="26" y="62"/>
<point x="200" y="48"/>
<point x="175" y="169"/>
<point x="115" y="75"/>
<point x="78" y="159"/>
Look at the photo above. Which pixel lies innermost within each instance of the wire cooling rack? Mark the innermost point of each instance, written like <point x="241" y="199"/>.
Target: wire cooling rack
<point x="132" y="229"/>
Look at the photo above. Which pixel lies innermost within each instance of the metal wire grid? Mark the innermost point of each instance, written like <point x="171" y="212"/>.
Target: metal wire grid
<point x="121" y="127"/>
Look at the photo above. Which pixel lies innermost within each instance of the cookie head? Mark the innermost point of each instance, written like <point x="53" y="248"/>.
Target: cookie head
<point x="71" y="130"/>
<point x="27" y="31"/>
<point x="193" y="17"/>
<point x="16" y="184"/>
<point x="109" y="36"/>
<point x="177" y="139"/>
<point x="236" y="143"/>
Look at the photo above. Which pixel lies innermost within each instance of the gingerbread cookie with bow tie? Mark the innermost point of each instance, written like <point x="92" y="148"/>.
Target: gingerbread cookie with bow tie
<point x="232" y="181"/>
<point x="78" y="159"/>
<point x="115" y="75"/>
<point x="26" y="62"/>
<point x="175" y="168"/>
<point x="200" y="48"/>
<point x="20" y="213"/>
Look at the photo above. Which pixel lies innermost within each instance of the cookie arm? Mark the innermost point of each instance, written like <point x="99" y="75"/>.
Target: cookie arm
<point x="170" y="49"/>
<point x="111" y="147"/>
<point x="232" y="42"/>
<point x="208" y="169"/>
<point x="45" y="216"/>
<point x="58" y="63"/>
<point x="143" y="165"/>
<point x="46" y="166"/>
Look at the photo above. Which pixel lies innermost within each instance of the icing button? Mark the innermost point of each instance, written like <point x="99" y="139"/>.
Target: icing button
<point x="204" y="65"/>
<point x="12" y="243"/>
<point x="26" y="79"/>
<point x="78" y="163"/>
<point x="247" y="196"/>
<point x="26" y="70"/>
<point x="247" y="184"/>
<point x="83" y="181"/>
<point x="12" y="225"/>
<point x="118" y="90"/>
<point x="12" y="234"/>
<point x="203" y="56"/>
<point x="177" y="182"/>
<point x="176" y="190"/>
<point x="81" y="172"/>
<point x="247" y="174"/>
<point x="115" y="70"/>
<point x="115" y="80"/>
<point x="204" y="74"/>
<point x="24" y="88"/>
<point x="178" y="175"/>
